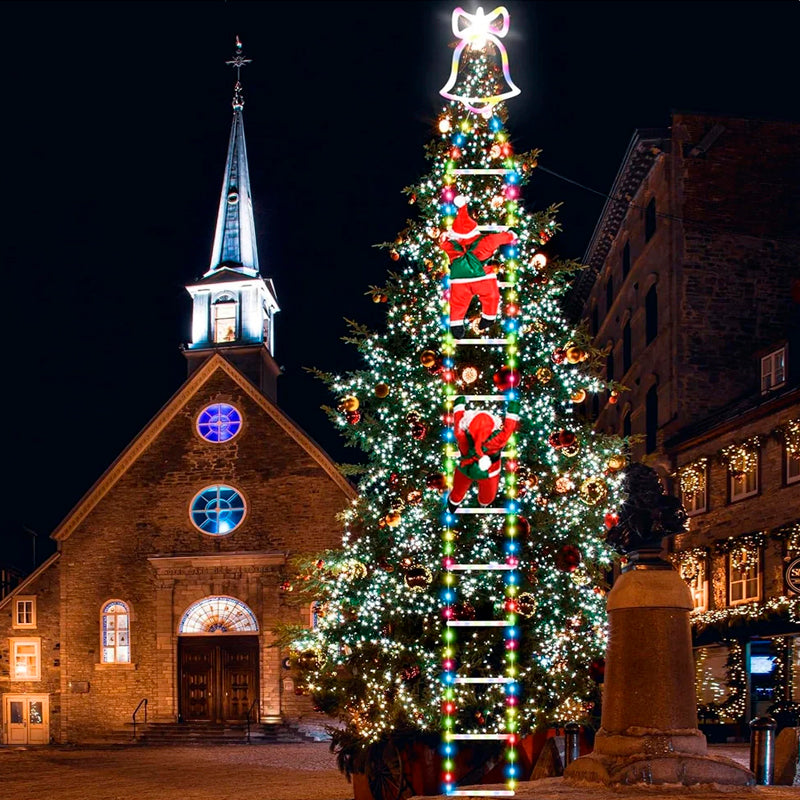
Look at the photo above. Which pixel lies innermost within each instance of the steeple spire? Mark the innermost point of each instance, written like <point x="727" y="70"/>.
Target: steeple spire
<point x="235" y="237"/>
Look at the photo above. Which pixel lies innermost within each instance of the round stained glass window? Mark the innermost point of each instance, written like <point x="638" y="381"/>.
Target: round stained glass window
<point x="217" y="510"/>
<point x="219" y="422"/>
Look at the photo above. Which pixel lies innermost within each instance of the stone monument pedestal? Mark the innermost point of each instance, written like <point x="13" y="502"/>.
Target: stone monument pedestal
<point x="648" y="730"/>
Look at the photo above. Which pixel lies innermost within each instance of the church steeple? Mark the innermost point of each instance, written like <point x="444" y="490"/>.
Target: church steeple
<point x="234" y="307"/>
<point x="235" y="237"/>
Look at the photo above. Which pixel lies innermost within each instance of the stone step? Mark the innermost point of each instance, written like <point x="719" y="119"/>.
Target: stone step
<point x="174" y="733"/>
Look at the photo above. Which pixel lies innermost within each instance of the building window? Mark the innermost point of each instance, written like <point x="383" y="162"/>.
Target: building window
<point x="651" y="418"/>
<point x="595" y="320"/>
<point x="115" y="632"/>
<point x="609" y="294"/>
<point x="219" y="422"/>
<point x="217" y="510"/>
<point x="693" y="483"/>
<point x="651" y="314"/>
<point x="26" y="659"/>
<point x="626" y="424"/>
<point x="790" y="433"/>
<point x="744" y="575"/>
<point x="650" y="220"/>
<point x="24" y="612"/>
<point x="610" y="365"/>
<point x="220" y="614"/>
<point x="792" y="466"/>
<point x="692" y="566"/>
<point x="224" y="319"/>
<point x="627" y="348"/>
<point x="773" y="370"/>
<point x="742" y="463"/>
<point x="626" y="260"/>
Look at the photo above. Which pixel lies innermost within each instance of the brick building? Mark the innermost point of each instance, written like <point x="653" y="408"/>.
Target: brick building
<point x="169" y="574"/>
<point x="693" y="289"/>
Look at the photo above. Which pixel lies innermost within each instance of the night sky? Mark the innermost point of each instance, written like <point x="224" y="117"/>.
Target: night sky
<point x="117" y="118"/>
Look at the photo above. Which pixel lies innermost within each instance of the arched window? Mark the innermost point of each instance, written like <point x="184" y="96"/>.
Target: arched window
<point x="627" y="348"/>
<point x="223" y="320"/>
<point x="626" y="260"/>
<point x="650" y="220"/>
<point x="219" y="614"/>
<point x="651" y="418"/>
<point x="219" y="422"/>
<point x="609" y="294"/>
<point x="610" y="365"/>
<point x="115" y="632"/>
<point x="217" y="510"/>
<point x="651" y="314"/>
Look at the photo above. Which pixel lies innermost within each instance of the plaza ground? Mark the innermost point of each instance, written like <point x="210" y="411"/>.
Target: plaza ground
<point x="256" y="772"/>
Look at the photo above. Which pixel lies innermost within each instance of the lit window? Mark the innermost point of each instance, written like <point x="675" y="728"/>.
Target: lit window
<point x="115" y="632"/>
<point x="224" y="321"/>
<point x="25" y="612"/>
<point x="217" y="510"/>
<point x="742" y="462"/>
<point x="26" y="659"/>
<point x="790" y="432"/>
<point x="218" y="615"/>
<point x="773" y="370"/>
<point x="219" y="422"/>
<point x="744" y="575"/>
<point x="795" y="645"/>
<point x="793" y="467"/>
<point x="693" y="483"/>
<point x="692" y="568"/>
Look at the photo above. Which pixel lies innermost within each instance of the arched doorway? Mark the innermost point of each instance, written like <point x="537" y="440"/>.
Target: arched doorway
<point x="217" y="660"/>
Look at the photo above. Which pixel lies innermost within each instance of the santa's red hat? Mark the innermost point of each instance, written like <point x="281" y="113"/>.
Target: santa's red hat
<point x="464" y="227"/>
<point x="480" y="425"/>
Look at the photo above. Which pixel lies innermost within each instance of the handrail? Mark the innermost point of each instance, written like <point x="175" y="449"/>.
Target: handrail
<point x="142" y="702"/>
<point x="249" y="711"/>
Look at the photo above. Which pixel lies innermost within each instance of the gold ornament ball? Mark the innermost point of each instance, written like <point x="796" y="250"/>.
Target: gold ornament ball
<point x="428" y="358"/>
<point x="526" y="604"/>
<point x="392" y="519"/>
<point x="593" y="491"/>
<point x="382" y="390"/>
<point x="616" y="462"/>
<point x="575" y="355"/>
<point x="579" y="396"/>
<point x="544" y="374"/>
<point x="350" y="403"/>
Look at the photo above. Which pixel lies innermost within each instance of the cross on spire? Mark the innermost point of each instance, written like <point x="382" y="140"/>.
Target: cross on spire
<point x="237" y="62"/>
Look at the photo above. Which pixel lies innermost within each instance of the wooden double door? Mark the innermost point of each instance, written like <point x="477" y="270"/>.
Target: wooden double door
<point x="218" y="677"/>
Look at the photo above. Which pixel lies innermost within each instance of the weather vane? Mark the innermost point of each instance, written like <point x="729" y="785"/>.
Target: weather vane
<point x="238" y="61"/>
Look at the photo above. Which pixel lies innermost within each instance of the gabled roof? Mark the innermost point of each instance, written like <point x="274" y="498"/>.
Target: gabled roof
<point x="173" y="406"/>
<point x="23" y="585"/>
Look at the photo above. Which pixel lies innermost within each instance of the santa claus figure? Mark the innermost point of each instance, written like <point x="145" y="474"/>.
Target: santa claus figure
<point x="481" y="437"/>
<point x="468" y="250"/>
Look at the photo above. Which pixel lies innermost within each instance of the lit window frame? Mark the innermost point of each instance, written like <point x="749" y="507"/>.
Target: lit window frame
<point x="25" y="603"/>
<point x="743" y="464"/>
<point x="224" y="303"/>
<point x="746" y="576"/>
<point x="773" y="370"/>
<point x="22" y="674"/>
<point x="792" y="471"/>
<point x="196" y="512"/>
<point x="218" y="615"/>
<point x="691" y="474"/>
<point x="115" y="647"/>
<point x="692" y="566"/>
<point x="211" y="429"/>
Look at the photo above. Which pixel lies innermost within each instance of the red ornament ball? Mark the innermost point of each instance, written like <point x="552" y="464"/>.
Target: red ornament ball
<point x="611" y="519"/>
<point x="568" y="558"/>
<point x="523" y="526"/>
<point x="506" y="378"/>
<point x="353" y="417"/>
<point x="437" y="481"/>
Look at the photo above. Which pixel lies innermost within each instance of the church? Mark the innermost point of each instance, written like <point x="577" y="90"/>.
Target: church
<point x="170" y="572"/>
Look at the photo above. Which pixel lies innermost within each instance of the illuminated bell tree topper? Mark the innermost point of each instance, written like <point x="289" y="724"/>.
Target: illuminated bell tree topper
<point x="477" y="31"/>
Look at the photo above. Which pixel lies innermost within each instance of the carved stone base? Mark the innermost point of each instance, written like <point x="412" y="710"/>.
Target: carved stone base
<point x="665" y="768"/>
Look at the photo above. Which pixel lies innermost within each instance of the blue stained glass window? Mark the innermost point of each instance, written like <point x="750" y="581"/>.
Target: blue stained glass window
<point x="217" y="510"/>
<point x="219" y="422"/>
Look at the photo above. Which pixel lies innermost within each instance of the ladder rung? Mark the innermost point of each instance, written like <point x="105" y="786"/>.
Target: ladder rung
<point x="493" y="228"/>
<point x="478" y="623"/>
<point x="482" y="341"/>
<point x="484" y="680"/>
<point x="482" y="793"/>
<point x="497" y="398"/>
<point x="505" y="284"/>
<point x="477" y="736"/>
<point x="480" y="510"/>
<point x="482" y="171"/>
<point x="487" y="567"/>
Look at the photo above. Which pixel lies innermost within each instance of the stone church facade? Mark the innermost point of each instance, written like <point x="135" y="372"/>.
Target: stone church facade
<point x="168" y="579"/>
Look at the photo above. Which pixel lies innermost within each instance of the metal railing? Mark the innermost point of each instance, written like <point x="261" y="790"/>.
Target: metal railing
<point x="142" y="702"/>
<point x="249" y="714"/>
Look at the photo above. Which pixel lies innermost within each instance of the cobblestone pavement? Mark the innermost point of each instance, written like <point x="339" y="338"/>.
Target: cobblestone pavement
<point x="261" y="772"/>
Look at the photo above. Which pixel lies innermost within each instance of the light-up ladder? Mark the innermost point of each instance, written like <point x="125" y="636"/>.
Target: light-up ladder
<point x="505" y="565"/>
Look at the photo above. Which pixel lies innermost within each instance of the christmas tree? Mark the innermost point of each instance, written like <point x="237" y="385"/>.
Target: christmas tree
<point x="469" y="592"/>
